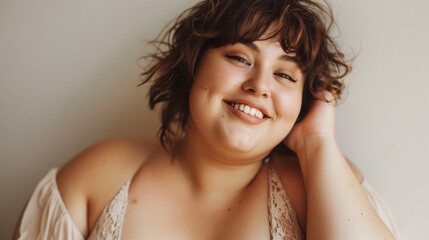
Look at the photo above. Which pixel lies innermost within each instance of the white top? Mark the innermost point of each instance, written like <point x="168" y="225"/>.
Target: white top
<point x="46" y="216"/>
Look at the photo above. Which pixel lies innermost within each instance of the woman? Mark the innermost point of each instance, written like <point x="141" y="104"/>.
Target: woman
<point x="239" y="82"/>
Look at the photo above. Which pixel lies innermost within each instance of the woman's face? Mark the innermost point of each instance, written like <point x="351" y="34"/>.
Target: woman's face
<point x="245" y="98"/>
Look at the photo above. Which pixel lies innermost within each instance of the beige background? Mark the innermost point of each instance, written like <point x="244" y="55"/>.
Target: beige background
<point x="68" y="77"/>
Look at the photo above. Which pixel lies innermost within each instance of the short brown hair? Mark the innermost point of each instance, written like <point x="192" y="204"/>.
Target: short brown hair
<point x="302" y="27"/>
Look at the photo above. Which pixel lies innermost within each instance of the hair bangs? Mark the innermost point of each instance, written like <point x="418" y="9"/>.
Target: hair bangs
<point x="259" y="20"/>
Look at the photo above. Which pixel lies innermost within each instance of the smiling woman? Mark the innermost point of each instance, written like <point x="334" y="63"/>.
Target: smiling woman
<point x="247" y="147"/>
<point x="253" y="79"/>
<point x="300" y="28"/>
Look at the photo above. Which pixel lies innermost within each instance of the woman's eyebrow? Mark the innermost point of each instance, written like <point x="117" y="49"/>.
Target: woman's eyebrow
<point x="285" y="57"/>
<point x="289" y="59"/>
<point x="253" y="46"/>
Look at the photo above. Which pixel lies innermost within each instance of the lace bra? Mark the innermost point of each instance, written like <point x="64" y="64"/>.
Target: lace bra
<point x="282" y="218"/>
<point x="46" y="216"/>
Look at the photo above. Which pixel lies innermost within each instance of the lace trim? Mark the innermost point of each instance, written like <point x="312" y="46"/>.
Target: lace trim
<point x="282" y="218"/>
<point x="109" y="225"/>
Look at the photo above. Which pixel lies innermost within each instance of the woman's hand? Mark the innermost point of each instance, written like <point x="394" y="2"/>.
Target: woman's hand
<point x="319" y="123"/>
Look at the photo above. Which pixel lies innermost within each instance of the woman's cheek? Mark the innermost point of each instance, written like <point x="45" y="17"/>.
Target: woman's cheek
<point x="217" y="78"/>
<point x="288" y="104"/>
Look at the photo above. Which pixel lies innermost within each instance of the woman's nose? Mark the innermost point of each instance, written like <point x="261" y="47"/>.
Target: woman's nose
<point x="257" y="84"/>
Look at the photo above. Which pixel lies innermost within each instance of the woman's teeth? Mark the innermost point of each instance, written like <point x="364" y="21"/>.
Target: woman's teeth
<point x="248" y="110"/>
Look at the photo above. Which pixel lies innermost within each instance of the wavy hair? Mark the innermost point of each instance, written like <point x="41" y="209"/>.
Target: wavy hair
<point x="302" y="27"/>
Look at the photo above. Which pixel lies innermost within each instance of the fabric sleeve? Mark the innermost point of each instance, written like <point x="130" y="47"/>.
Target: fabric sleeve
<point x="379" y="205"/>
<point x="46" y="216"/>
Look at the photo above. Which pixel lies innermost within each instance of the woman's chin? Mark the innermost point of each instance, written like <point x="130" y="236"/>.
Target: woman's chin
<point x="245" y="147"/>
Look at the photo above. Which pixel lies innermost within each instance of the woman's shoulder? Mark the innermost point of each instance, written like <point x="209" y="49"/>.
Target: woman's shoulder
<point x="90" y="180"/>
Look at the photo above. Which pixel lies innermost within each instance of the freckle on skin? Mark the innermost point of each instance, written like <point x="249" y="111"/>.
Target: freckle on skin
<point x="348" y="219"/>
<point x="134" y="200"/>
<point x="229" y="209"/>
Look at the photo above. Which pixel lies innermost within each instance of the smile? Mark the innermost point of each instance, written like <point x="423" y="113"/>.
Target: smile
<point x="248" y="110"/>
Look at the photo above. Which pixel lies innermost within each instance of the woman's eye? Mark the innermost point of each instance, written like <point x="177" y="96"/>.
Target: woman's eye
<point x="286" y="76"/>
<point x="239" y="58"/>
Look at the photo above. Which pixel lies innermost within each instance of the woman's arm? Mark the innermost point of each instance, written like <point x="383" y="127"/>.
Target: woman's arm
<point x="337" y="207"/>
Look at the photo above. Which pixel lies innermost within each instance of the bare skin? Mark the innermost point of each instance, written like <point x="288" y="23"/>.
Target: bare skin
<point x="151" y="214"/>
<point x="158" y="196"/>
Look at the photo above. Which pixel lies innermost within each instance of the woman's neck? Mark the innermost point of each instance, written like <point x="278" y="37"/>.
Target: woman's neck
<point x="212" y="174"/>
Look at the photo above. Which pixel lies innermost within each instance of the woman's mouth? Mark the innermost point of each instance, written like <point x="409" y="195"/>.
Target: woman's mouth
<point x="247" y="109"/>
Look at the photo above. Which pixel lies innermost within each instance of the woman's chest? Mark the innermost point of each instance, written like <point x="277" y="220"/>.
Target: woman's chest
<point x="172" y="214"/>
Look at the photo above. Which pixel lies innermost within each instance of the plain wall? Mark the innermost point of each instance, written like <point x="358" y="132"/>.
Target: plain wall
<point x="68" y="76"/>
